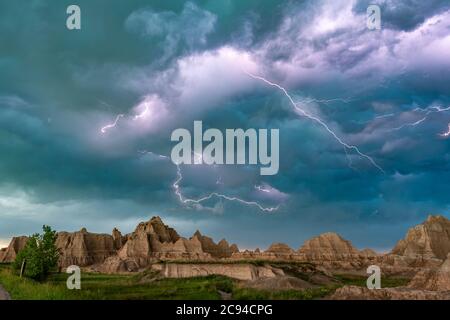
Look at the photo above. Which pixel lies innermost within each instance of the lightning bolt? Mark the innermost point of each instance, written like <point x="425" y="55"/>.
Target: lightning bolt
<point x="176" y="187"/>
<point x="112" y="125"/>
<point x="446" y="134"/>
<point x="409" y="124"/>
<point x="317" y="120"/>
<point x="262" y="189"/>
<point x="425" y="111"/>
<point x="143" y="114"/>
<point x="185" y="200"/>
<point x="144" y="152"/>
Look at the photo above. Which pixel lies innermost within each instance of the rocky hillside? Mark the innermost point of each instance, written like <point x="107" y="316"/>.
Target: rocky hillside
<point x="427" y="284"/>
<point x="425" y="246"/>
<point x="150" y="241"/>
<point x="430" y="239"/>
<point x="433" y="280"/>
<point x="328" y="246"/>
<point x="9" y="254"/>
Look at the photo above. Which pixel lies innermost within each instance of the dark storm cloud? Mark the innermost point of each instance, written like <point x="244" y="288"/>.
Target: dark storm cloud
<point x="185" y="60"/>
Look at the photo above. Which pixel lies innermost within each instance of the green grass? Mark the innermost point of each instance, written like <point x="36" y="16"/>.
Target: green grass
<point x="146" y="286"/>
<point x="100" y="286"/>
<point x="306" y="294"/>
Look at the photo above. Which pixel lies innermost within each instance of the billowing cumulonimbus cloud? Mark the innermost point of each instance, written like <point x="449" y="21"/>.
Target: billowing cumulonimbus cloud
<point x="188" y="29"/>
<point x="163" y="66"/>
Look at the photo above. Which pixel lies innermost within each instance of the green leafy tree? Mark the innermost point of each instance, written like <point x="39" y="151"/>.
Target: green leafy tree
<point x="40" y="255"/>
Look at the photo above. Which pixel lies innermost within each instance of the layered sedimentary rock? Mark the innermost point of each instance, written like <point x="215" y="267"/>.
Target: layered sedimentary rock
<point x="219" y="250"/>
<point x="362" y="293"/>
<point x="368" y="252"/>
<point x="328" y="246"/>
<point x="82" y="248"/>
<point x="79" y="248"/>
<point x="276" y="252"/>
<point x="155" y="240"/>
<point x="328" y="250"/>
<point x="332" y="251"/>
<point x="9" y="254"/>
<point x="428" y="240"/>
<point x="433" y="280"/>
<point x="115" y="264"/>
<point x="118" y="239"/>
<point x="425" y="247"/>
<point x="241" y="271"/>
<point x="279" y="251"/>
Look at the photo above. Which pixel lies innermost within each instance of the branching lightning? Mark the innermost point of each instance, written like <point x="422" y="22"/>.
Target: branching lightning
<point x="112" y="125"/>
<point x="176" y="187"/>
<point x="426" y="112"/>
<point x="317" y="120"/>
<point x="187" y="201"/>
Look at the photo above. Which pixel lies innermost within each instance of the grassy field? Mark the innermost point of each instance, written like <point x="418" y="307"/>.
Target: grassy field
<point x="101" y="286"/>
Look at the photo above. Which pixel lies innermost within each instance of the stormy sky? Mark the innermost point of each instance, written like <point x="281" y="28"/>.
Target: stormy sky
<point x="370" y="161"/>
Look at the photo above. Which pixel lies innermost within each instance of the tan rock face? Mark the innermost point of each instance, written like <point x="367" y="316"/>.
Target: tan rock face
<point x="429" y="240"/>
<point x="328" y="246"/>
<point x="433" y="280"/>
<point x="219" y="250"/>
<point x="362" y="293"/>
<point x="115" y="264"/>
<point x="82" y="248"/>
<point x="281" y="248"/>
<point x="422" y="249"/>
<point x="154" y="240"/>
<point x="237" y="271"/>
<point x="118" y="239"/>
<point x="369" y="253"/>
<point x="16" y="244"/>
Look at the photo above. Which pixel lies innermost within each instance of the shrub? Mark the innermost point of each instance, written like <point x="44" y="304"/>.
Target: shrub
<point x="40" y="255"/>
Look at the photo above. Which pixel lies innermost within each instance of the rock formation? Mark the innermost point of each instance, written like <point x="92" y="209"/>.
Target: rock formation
<point x="368" y="252"/>
<point x="16" y="244"/>
<point x="328" y="246"/>
<point x="240" y="271"/>
<point x="279" y="251"/>
<point x="220" y="250"/>
<point x="2" y="253"/>
<point x="362" y="293"/>
<point x="424" y="248"/>
<point x="154" y="240"/>
<point x="119" y="240"/>
<point x="280" y="248"/>
<point x="428" y="240"/>
<point x="433" y="280"/>
<point x="82" y="248"/>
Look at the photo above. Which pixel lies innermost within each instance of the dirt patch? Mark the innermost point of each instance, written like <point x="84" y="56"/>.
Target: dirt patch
<point x="4" y="295"/>
<point x="279" y="283"/>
